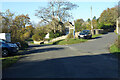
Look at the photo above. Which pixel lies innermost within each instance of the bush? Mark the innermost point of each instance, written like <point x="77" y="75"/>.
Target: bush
<point x="100" y="26"/>
<point x="26" y="35"/>
<point x="37" y="37"/>
<point x="108" y="27"/>
<point x="70" y="36"/>
<point x="23" y="44"/>
<point x="51" y="34"/>
<point x="29" y="39"/>
<point x="54" y="35"/>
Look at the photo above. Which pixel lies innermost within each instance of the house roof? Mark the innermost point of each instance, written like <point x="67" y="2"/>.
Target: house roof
<point x="68" y="23"/>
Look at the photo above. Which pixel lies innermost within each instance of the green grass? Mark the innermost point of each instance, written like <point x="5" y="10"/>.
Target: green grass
<point x="8" y="61"/>
<point x="115" y="50"/>
<point x="31" y="42"/>
<point x="70" y="41"/>
<point x="30" y="39"/>
<point x="93" y="36"/>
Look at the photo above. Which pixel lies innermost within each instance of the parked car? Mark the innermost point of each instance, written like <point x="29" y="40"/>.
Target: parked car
<point x="18" y="44"/>
<point x="8" y="48"/>
<point x="86" y="34"/>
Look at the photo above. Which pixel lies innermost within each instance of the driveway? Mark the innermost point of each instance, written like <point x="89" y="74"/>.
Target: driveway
<point x="85" y="60"/>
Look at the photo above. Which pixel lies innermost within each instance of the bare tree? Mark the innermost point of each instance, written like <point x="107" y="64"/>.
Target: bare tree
<point x="55" y="12"/>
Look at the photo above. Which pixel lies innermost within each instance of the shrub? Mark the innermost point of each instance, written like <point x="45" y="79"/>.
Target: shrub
<point x="51" y="34"/>
<point x="54" y="35"/>
<point x="100" y="26"/>
<point x="23" y="44"/>
<point x="70" y="36"/>
<point x="26" y="35"/>
<point x="36" y="37"/>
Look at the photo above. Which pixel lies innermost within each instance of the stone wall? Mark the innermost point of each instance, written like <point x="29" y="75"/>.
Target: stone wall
<point x="98" y="31"/>
<point x="59" y="38"/>
<point x="38" y="42"/>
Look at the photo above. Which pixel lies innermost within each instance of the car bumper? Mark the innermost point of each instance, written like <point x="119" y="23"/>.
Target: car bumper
<point x="13" y="50"/>
<point x="83" y="36"/>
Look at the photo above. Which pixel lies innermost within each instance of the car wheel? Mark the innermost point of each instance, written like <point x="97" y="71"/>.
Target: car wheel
<point x="90" y="37"/>
<point x="78" y="37"/>
<point x="4" y="52"/>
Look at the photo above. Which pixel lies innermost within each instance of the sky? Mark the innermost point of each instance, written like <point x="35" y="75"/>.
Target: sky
<point x="83" y="11"/>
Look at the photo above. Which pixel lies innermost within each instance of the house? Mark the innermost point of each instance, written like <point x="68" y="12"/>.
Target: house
<point x="68" y="26"/>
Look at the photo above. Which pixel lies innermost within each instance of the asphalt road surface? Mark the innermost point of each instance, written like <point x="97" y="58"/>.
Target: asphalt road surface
<point x="85" y="60"/>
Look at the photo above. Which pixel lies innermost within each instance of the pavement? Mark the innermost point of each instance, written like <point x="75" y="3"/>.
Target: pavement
<point x="90" y="59"/>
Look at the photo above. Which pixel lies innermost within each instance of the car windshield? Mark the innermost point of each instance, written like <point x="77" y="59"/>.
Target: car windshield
<point x="3" y="41"/>
<point x="86" y="31"/>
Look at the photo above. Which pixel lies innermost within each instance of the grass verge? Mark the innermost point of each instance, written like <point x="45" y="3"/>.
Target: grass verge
<point x="115" y="50"/>
<point x="70" y="41"/>
<point x="94" y="36"/>
<point x="8" y="61"/>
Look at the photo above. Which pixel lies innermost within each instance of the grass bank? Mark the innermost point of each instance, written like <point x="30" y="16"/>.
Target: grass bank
<point x="114" y="48"/>
<point x="115" y="51"/>
<point x="8" y="61"/>
<point x="70" y="41"/>
<point x="97" y="35"/>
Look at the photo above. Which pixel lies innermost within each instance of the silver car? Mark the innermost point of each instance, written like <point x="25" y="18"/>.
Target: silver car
<point x="86" y="34"/>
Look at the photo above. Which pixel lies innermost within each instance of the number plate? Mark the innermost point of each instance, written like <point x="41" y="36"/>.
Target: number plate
<point x="81" y="35"/>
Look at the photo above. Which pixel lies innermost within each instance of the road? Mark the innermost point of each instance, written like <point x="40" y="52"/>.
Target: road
<point x="85" y="60"/>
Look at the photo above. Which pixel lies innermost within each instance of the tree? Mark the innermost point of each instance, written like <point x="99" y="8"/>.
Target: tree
<point x="39" y="33"/>
<point x="30" y="29"/>
<point x="7" y="20"/>
<point x="88" y="20"/>
<point x="95" y="23"/>
<point x="16" y="26"/>
<point x="0" y="24"/>
<point x="56" y="12"/>
<point x="78" y="24"/>
<point x="21" y="20"/>
<point x="94" y="17"/>
<point x="109" y="16"/>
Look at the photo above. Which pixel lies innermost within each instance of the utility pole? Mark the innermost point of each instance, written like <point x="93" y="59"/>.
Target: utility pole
<point x="73" y="24"/>
<point x="91" y="23"/>
<point x="74" y="29"/>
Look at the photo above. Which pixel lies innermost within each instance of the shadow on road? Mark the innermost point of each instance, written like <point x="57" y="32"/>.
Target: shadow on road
<point x="40" y="45"/>
<point x="40" y="50"/>
<point x="88" y="66"/>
